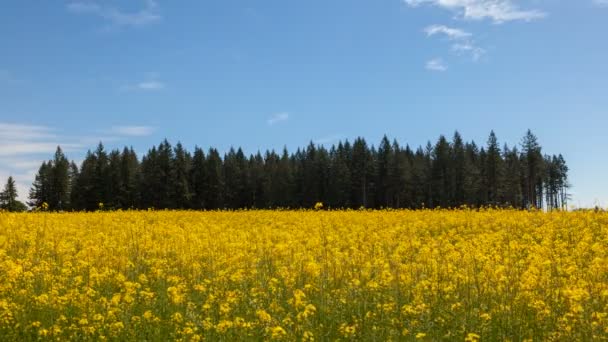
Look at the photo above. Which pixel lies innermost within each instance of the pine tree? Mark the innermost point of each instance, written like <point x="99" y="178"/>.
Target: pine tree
<point x="385" y="160"/>
<point x="512" y="185"/>
<point x="361" y="168"/>
<point x="494" y="172"/>
<point x="533" y="161"/>
<point x="215" y="181"/>
<point x="180" y="174"/>
<point x="441" y="173"/>
<point x="458" y="162"/>
<point x="40" y="192"/>
<point x="198" y="179"/>
<point x="343" y="176"/>
<point x="130" y="177"/>
<point x="339" y="178"/>
<point x="114" y="199"/>
<point x="8" y="197"/>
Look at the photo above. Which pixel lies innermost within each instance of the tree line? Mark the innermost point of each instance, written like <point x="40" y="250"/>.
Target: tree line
<point x="346" y="175"/>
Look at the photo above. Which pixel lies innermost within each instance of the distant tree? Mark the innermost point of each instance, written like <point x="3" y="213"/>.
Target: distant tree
<point x="114" y="181"/>
<point x="472" y="176"/>
<point x="494" y="172"/>
<point x="130" y="177"/>
<point x="446" y="174"/>
<point x="257" y="184"/>
<point x="533" y="168"/>
<point x="458" y="170"/>
<point x="198" y="179"/>
<point x="215" y="181"/>
<point x="60" y="182"/>
<point x="8" y="197"/>
<point x="180" y="174"/>
<point x="441" y="177"/>
<point x="384" y="162"/>
<point x="361" y="170"/>
<point x="512" y="179"/>
<point x="339" y="177"/>
<point x="40" y="191"/>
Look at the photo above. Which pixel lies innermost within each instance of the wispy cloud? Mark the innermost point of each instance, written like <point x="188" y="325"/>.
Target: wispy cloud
<point x="450" y="32"/>
<point x="330" y="139"/>
<point x="436" y="64"/>
<point x="277" y="118"/>
<point x="147" y="85"/>
<point x="115" y="17"/>
<point x="602" y="3"/>
<point x="12" y="131"/>
<point x="469" y="48"/>
<point x="133" y="131"/>
<point x="150" y="85"/>
<point x="499" y="11"/>
<point x="462" y="41"/>
<point x="24" y="146"/>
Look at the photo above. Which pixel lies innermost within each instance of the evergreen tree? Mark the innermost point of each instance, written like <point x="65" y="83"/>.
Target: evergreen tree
<point x="361" y="169"/>
<point x="8" y="197"/>
<point x="441" y="173"/>
<point x="40" y="192"/>
<point x="385" y="161"/>
<point x="533" y="166"/>
<point x="198" y="179"/>
<point x="130" y="177"/>
<point x="215" y="184"/>
<point x="339" y="177"/>
<point x="59" y="197"/>
<point x="494" y="172"/>
<point x="344" y="176"/>
<point x="512" y="180"/>
<point x="180" y="182"/>
<point x="458" y="170"/>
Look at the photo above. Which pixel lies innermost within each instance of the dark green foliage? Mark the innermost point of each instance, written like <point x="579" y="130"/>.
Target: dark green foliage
<point x="8" y="197"/>
<point x="53" y="184"/>
<point x="446" y="174"/>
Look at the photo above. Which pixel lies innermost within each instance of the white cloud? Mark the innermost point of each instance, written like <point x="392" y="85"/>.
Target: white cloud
<point x="133" y="131"/>
<point x="277" y="118"/>
<point x="450" y="32"/>
<point x="436" y="64"/>
<point x="330" y="139"/>
<point x="150" y="85"/>
<point x="23" y="147"/>
<point x="20" y="148"/>
<point x="499" y="11"/>
<point x="462" y="42"/>
<point x="469" y="48"/>
<point x="117" y="18"/>
<point x="11" y="131"/>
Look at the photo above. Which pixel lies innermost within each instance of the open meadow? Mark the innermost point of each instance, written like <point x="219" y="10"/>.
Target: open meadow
<point x="304" y="275"/>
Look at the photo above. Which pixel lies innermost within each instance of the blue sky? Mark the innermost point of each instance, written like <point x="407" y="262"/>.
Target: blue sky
<point x="264" y="74"/>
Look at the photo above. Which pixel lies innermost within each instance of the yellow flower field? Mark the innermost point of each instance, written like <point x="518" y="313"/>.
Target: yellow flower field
<point x="304" y="276"/>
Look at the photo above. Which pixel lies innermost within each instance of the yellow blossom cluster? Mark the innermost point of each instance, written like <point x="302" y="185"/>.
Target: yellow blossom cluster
<point x="310" y="275"/>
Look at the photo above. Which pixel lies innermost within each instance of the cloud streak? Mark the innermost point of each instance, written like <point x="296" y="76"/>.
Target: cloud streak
<point x="499" y="11"/>
<point x="24" y="146"/>
<point x="117" y="18"/>
<point x="462" y="42"/>
<point x="133" y="131"/>
<point x="450" y="32"/>
<point x="144" y="86"/>
<point x="436" y="64"/>
<point x="278" y="118"/>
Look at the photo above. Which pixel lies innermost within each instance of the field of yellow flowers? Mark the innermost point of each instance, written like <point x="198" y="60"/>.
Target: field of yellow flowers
<point x="304" y="275"/>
